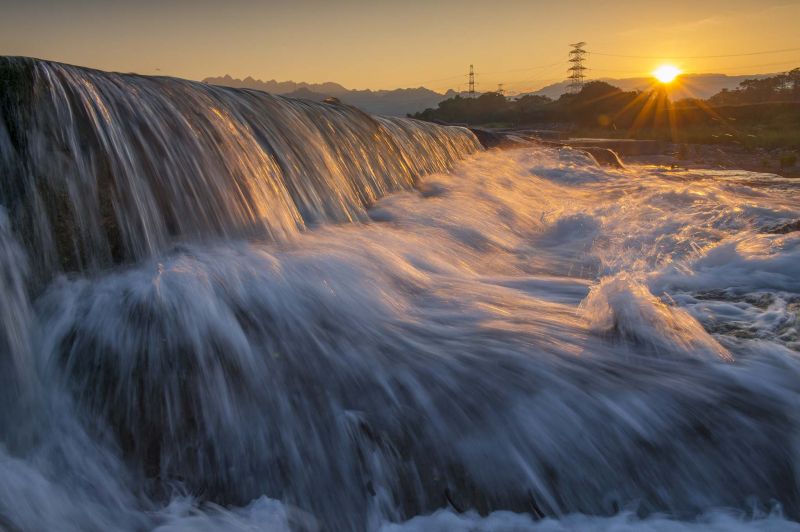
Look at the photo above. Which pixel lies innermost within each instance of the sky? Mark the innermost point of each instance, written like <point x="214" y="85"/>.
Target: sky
<point x="405" y="43"/>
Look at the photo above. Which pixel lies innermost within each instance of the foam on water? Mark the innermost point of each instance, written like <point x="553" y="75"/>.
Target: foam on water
<point x="528" y="342"/>
<point x="624" y="308"/>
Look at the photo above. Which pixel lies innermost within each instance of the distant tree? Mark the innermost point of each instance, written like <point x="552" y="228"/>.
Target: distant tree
<point x="595" y="91"/>
<point x="793" y="79"/>
<point x="724" y="97"/>
<point x="780" y="88"/>
<point x="533" y="108"/>
<point x="688" y="103"/>
<point x="490" y="105"/>
<point x="486" y="108"/>
<point x="530" y="102"/>
<point x="599" y="103"/>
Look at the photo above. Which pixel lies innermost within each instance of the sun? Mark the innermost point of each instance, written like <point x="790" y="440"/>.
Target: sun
<point x="666" y="73"/>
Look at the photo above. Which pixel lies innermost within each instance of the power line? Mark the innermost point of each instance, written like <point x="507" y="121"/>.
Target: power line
<point x="546" y="77"/>
<point x="765" y="52"/>
<point x="523" y="69"/>
<point x="542" y="75"/>
<point x="781" y="63"/>
<point x="741" y="67"/>
<point x="464" y="76"/>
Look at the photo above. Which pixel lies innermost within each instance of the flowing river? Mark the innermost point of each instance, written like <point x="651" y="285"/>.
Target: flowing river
<point x="224" y="310"/>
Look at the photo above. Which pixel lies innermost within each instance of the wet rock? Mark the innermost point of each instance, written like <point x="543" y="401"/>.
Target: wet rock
<point x="604" y="156"/>
<point x="495" y="139"/>
<point x="783" y="228"/>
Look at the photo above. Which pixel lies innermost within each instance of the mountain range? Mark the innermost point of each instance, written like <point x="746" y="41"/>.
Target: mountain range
<point x="396" y="102"/>
<point x="399" y="102"/>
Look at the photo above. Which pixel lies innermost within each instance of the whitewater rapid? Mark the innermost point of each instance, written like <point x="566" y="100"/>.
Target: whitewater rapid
<point x="530" y="336"/>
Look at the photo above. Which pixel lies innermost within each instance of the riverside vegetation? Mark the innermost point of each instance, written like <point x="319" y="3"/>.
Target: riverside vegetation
<point x="760" y="113"/>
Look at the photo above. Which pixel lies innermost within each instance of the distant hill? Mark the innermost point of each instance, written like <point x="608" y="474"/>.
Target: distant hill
<point x="692" y="86"/>
<point x="397" y="102"/>
<point x="276" y="87"/>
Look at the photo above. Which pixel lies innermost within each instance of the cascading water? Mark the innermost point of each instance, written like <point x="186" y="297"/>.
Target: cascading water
<point x="586" y="348"/>
<point x="106" y="167"/>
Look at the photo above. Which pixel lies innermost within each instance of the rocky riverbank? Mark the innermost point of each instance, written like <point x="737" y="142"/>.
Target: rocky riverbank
<point x="785" y="163"/>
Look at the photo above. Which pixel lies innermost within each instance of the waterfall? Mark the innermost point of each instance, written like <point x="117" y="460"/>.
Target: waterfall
<point x="101" y="168"/>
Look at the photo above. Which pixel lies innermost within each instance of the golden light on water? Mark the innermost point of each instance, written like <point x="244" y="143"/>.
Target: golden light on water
<point x="666" y="73"/>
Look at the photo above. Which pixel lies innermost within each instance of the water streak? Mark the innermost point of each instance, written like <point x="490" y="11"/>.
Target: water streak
<point x="107" y="167"/>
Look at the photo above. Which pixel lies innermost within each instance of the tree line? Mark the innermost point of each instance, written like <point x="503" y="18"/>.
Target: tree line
<point x="780" y="88"/>
<point x="600" y="104"/>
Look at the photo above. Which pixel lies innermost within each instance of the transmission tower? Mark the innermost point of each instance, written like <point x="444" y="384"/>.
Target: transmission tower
<point x="471" y="82"/>
<point x="576" y="58"/>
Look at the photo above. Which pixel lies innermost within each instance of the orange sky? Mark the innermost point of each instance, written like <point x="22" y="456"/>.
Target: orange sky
<point x="388" y="44"/>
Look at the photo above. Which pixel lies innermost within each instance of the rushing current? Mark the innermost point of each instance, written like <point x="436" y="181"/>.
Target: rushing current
<point x="227" y="311"/>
